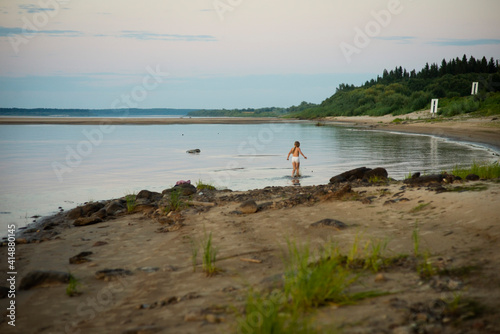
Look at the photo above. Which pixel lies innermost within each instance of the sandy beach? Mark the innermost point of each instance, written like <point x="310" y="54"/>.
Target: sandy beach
<point x="159" y="289"/>
<point x="484" y="130"/>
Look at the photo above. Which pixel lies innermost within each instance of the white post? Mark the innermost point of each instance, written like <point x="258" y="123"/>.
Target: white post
<point x="434" y="106"/>
<point x="475" y="86"/>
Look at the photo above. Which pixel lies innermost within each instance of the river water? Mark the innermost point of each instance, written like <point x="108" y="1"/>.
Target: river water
<point x="47" y="167"/>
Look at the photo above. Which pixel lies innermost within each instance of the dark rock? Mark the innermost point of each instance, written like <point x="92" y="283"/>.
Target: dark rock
<point x="4" y="292"/>
<point x="379" y="172"/>
<point x="196" y="150"/>
<point x="84" y="221"/>
<point x="110" y="274"/>
<point x="90" y="208"/>
<point x="351" y="175"/>
<point x="472" y="177"/>
<point x="114" y="207"/>
<point x="85" y="210"/>
<point x="185" y="189"/>
<point x="249" y="207"/>
<point x="415" y="175"/>
<point x="75" y="213"/>
<point x="149" y="195"/>
<point x="43" y="278"/>
<point x="80" y="258"/>
<point x="149" y="269"/>
<point x="425" y="180"/>
<point x="100" y="214"/>
<point x="336" y="224"/>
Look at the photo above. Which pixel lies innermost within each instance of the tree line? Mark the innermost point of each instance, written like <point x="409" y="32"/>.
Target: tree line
<point x="400" y="91"/>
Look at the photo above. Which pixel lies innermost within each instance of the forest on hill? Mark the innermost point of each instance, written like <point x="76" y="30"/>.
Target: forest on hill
<point x="400" y="91"/>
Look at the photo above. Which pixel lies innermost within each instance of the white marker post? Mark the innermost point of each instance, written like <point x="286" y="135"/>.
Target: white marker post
<point x="434" y="106"/>
<point x="475" y="86"/>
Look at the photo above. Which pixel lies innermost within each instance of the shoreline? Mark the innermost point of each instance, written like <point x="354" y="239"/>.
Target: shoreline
<point x="484" y="131"/>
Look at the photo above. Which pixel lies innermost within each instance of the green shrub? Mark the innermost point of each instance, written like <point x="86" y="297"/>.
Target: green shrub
<point x="202" y="186"/>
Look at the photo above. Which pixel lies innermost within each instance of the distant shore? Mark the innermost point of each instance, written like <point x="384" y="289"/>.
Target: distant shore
<point x="141" y="120"/>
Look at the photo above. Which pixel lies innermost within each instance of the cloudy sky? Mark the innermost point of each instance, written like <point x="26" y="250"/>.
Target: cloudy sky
<point x="224" y="53"/>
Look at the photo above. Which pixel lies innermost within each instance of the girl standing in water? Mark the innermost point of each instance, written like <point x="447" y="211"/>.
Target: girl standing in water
<point x="295" y="151"/>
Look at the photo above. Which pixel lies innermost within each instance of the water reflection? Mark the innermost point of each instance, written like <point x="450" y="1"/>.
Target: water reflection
<point x="242" y="157"/>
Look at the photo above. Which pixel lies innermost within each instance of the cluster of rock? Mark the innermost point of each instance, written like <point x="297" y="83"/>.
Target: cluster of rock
<point x="425" y="180"/>
<point x="144" y="201"/>
<point x="361" y="174"/>
<point x="155" y="205"/>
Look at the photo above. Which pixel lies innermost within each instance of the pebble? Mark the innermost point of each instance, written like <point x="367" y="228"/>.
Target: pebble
<point x="212" y="318"/>
<point x="380" y="278"/>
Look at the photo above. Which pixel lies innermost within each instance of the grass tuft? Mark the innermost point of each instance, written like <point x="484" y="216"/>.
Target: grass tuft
<point x="266" y="313"/>
<point x="131" y="204"/>
<point x="209" y="256"/>
<point x="415" y="236"/>
<point x="175" y="203"/>
<point x="72" y="288"/>
<point x="484" y="170"/>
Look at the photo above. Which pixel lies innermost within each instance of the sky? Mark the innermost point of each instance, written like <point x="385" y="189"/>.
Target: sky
<point x="102" y="54"/>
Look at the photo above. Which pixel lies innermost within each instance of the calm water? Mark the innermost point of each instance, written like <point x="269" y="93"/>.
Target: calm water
<point x="44" y="167"/>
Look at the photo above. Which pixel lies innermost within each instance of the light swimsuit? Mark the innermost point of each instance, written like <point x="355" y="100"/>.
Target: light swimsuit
<point x="295" y="159"/>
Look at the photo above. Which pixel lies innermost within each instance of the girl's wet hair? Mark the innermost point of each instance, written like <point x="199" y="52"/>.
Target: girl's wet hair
<point x="297" y="144"/>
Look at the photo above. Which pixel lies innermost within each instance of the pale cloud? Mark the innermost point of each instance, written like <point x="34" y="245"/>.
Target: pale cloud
<point x="6" y="32"/>
<point x="145" y="35"/>
<point x="464" y="42"/>
<point x="31" y="9"/>
<point x="207" y="49"/>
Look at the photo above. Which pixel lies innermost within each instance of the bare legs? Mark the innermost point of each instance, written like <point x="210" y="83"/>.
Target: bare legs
<point x="295" y="170"/>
